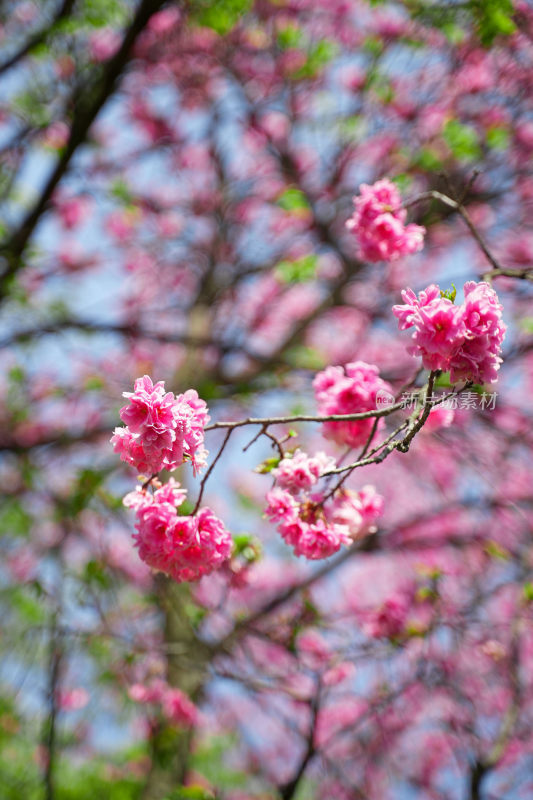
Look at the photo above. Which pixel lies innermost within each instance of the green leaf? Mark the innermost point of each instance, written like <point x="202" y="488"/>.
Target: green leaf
<point x="221" y="16"/>
<point x="498" y="138"/>
<point x="241" y="541"/>
<point x="191" y="793"/>
<point x="17" y="374"/>
<point x="14" y="519"/>
<point x="293" y="200"/>
<point x="100" y="13"/>
<point x="450" y="294"/>
<point x="454" y="33"/>
<point x="267" y="465"/>
<point x="186" y="508"/>
<point x="247" y="546"/>
<point x="289" y="37"/>
<point x="95" y="573"/>
<point x="527" y="324"/>
<point x="299" y="271"/>
<point x="30" y="609"/>
<point x="495" y="550"/>
<point x="493" y="18"/>
<point x="209" y="389"/>
<point x="403" y="181"/>
<point x="302" y="357"/>
<point x="462" y="140"/>
<point x="373" y="45"/>
<point x="318" y="56"/>
<point x="85" y="487"/>
<point x="208" y="761"/>
<point x="121" y="191"/>
<point x="93" y="383"/>
<point x="427" y="159"/>
<point x="527" y="591"/>
<point x="353" y="128"/>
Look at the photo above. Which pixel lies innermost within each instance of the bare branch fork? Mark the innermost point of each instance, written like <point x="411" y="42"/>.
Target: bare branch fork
<point x="497" y="269"/>
<point x="374" y="456"/>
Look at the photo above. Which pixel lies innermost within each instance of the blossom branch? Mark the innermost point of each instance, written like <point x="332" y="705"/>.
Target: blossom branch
<point x="383" y="412"/>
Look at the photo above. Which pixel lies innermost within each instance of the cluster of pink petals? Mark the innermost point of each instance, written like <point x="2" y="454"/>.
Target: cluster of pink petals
<point x="302" y="471"/>
<point x="316" y="527"/>
<point x="464" y="340"/>
<point x="162" y="430"/>
<point x="183" y="547"/>
<point x="388" y="621"/>
<point x="175" y="705"/>
<point x="378" y="222"/>
<point x="72" y="699"/>
<point x="349" y="390"/>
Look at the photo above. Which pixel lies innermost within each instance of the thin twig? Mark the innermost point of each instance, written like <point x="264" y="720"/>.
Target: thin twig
<point x="210" y="470"/>
<point x="267" y="421"/>
<point x="461" y="210"/>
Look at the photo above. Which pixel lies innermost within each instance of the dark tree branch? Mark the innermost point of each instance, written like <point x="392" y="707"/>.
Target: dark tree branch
<point x="50" y="727"/>
<point x="38" y="38"/>
<point x="86" y="109"/>
<point x="477" y="773"/>
<point x="288" y="791"/>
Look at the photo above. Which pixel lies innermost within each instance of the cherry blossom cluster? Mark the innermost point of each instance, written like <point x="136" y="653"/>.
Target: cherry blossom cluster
<point x="388" y="620"/>
<point x="316" y="525"/>
<point x="349" y="390"/>
<point x="175" y="705"/>
<point x="464" y="340"/>
<point x="378" y="223"/>
<point x="183" y="547"/>
<point x="162" y="430"/>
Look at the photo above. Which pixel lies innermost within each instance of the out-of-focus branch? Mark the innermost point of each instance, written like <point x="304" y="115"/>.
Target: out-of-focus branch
<point x="50" y="727"/>
<point x="461" y="210"/>
<point x="477" y="774"/>
<point x="521" y="274"/>
<point x="57" y="439"/>
<point x="124" y="329"/>
<point x="288" y="791"/>
<point x="39" y="37"/>
<point x="87" y="106"/>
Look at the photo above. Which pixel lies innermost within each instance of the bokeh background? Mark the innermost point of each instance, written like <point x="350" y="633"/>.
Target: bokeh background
<point x="175" y="178"/>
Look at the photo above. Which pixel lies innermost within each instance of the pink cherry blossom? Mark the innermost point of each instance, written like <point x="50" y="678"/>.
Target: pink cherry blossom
<point x="72" y="210"/>
<point x="175" y="705"/>
<point x="184" y="547"/>
<point x="302" y="471"/>
<point x="348" y="390"/>
<point x="103" y="44"/>
<point x="178" y="708"/>
<point x="162" y="430"/>
<point x="281" y="505"/>
<point x="72" y="699"/>
<point x="316" y="525"/>
<point x="378" y="223"/>
<point x="357" y="510"/>
<point x="478" y="359"/>
<point x="464" y="340"/>
<point x="439" y="417"/>
<point x="314" y="540"/>
<point x="389" y="619"/>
